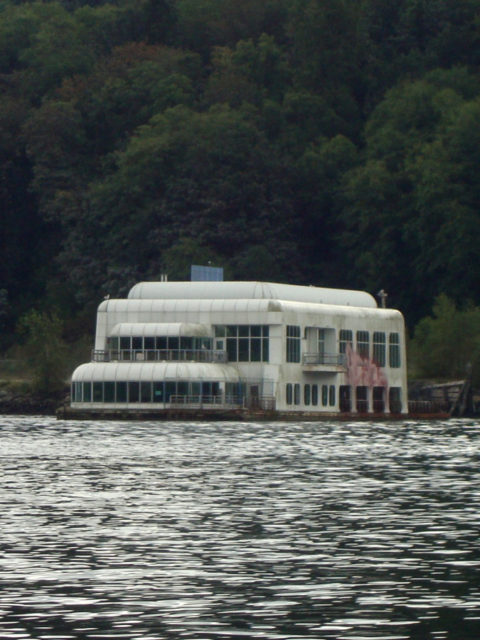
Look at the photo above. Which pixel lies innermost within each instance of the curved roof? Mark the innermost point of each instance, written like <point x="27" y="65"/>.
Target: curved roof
<point x="160" y="329"/>
<point x="146" y="371"/>
<point x="138" y="309"/>
<point x="249" y="290"/>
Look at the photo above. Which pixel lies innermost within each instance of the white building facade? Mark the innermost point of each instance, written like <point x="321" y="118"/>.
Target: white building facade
<point x="247" y="346"/>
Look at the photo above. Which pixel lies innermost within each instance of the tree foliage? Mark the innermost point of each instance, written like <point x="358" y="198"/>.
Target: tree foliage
<point x="330" y="142"/>
<point x="447" y="343"/>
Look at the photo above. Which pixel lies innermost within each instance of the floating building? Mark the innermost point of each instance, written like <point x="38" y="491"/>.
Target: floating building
<point x="243" y="348"/>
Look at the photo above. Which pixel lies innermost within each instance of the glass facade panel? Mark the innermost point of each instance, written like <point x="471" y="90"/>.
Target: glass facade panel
<point x="331" y="395"/>
<point x="145" y="392"/>
<point x="109" y="391"/>
<point x="133" y="391"/>
<point x="296" y="394"/>
<point x="394" y="350"/>
<point x="158" y="392"/>
<point x="182" y="388"/>
<point x="256" y="350"/>
<point x="306" y="394"/>
<point x="98" y="392"/>
<point x="362" y="399"/>
<point x="232" y="349"/>
<point x="315" y="394"/>
<point x="246" y="343"/>
<point x="293" y="343"/>
<point x="363" y="344"/>
<point x="379" y="348"/>
<point x="121" y="391"/>
<point x="289" y="394"/>
<point x="87" y="391"/>
<point x="170" y="390"/>
<point x="395" y="399"/>
<point x="324" y="395"/>
<point x="149" y="343"/>
<point x="345" y="338"/>
<point x="243" y="350"/>
<point x="161" y="342"/>
<point x="321" y="341"/>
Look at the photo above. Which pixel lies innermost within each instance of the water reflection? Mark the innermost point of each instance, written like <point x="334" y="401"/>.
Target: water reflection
<point x="223" y="531"/>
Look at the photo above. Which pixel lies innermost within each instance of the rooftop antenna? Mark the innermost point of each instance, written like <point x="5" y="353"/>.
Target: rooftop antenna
<point x="383" y="295"/>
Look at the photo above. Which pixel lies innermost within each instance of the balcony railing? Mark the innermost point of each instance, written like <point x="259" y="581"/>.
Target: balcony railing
<point x="159" y="355"/>
<point x="206" y="400"/>
<point x="329" y="359"/>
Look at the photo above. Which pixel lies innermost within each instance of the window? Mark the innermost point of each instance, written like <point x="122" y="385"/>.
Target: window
<point x="321" y="342"/>
<point x="245" y="343"/>
<point x="363" y="344"/>
<point x="289" y="394"/>
<point x="133" y="391"/>
<point x="306" y="394"/>
<point x="379" y="348"/>
<point x="345" y="398"/>
<point x="378" y="399"/>
<point x="145" y="392"/>
<point x="331" y="395"/>
<point x="324" y="395"/>
<point x="158" y="392"/>
<point x="98" y="391"/>
<point x="362" y="399"/>
<point x="109" y="391"/>
<point x="296" y="394"/>
<point x="394" y="350"/>
<point x="121" y="391"/>
<point x="315" y="395"/>
<point x="345" y="338"/>
<point x="395" y="399"/>
<point x="87" y="391"/>
<point x="293" y="343"/>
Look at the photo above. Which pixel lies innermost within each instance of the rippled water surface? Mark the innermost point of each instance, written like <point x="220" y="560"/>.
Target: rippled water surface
<point x="235" y="531"/>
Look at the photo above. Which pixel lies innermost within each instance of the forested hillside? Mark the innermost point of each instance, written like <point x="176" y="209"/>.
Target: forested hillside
<point x="325" y="142"/>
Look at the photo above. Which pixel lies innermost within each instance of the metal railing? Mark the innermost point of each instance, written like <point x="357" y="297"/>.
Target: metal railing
<point x="159" y="355"/>
<point x="206" y="400"/>
<point x="336" y="359"/>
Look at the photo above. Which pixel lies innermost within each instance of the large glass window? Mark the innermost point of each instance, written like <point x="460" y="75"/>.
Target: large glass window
<point x="394" y="350"/>
<point x="379" y="348"/>
<point x="315" y="394"/>
<point x="109" y="391"/>
<point x="121" y="391"/>
<point x="87" y="391"/>
<point x="345" y="338"/>
<point x="363" y="344"/>
<point x="133" y="391"/>
<point x="145" y="392"/>
<point x="245" y="343"/>
<point x="293" y="343"/>
<point x="98" y="392"/>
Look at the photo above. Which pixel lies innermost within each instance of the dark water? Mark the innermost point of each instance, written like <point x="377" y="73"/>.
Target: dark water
<point x="239" y="531"/>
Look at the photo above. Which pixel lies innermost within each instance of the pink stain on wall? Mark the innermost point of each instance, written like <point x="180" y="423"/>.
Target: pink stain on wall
<point x="363" y="372"/>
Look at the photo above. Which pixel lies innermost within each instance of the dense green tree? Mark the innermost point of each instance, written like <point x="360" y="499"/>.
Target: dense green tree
<point x="447" y="343"/>
<point x="44" y="349"/>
